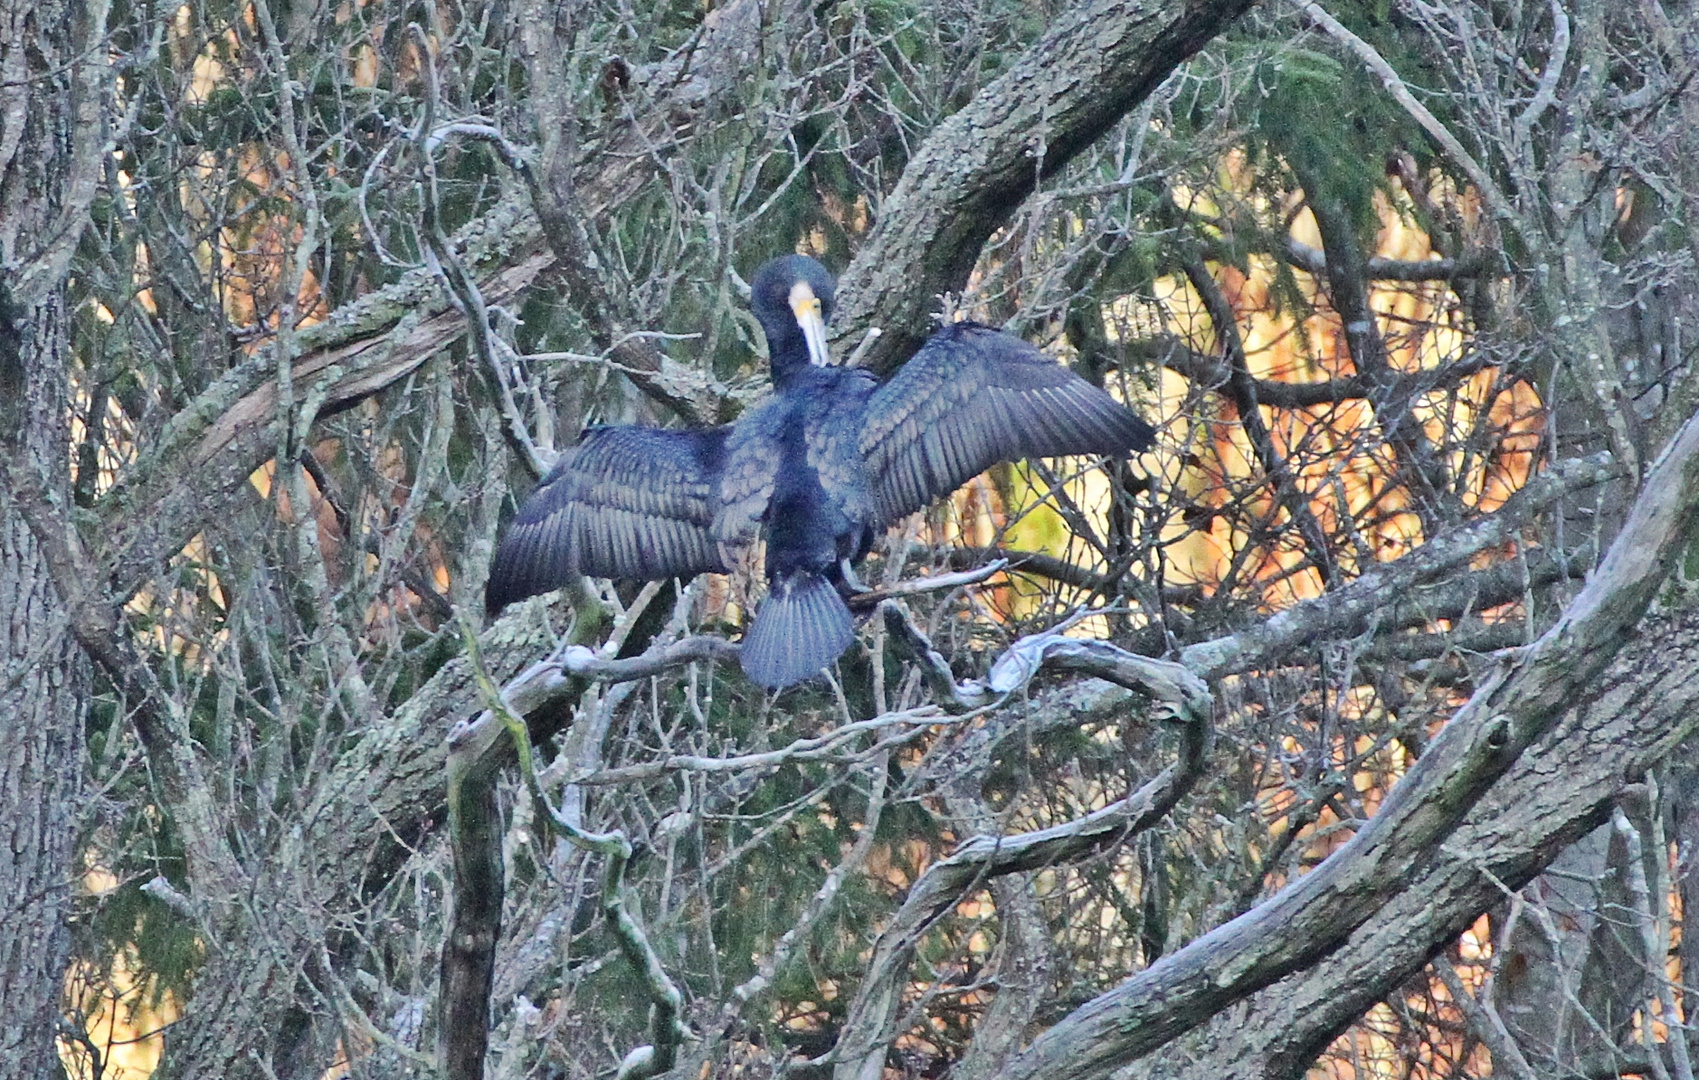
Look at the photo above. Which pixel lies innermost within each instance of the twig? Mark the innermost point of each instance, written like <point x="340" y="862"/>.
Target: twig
<point x="820" y="903"/>
<point x="1678" y="1031"/>
<point x="667" y="1030"/>
<point x="1475" y="263"/>
<point x="1371" y="592"/>
<point x="1394" y="84"/>
<point x="924" y="718"/>
<point x="1313" y="915"/>
<point x="1241" y="387"/>
<point x="162" y="890"/>
<point x="462" y="289"/>
<point x="866" y="343"/>
<point x="934" y="669"/>
<point x="876" y="597"/>
<point x="1654" y="944"/>
<point x="1485" y="1022"/>
<point x="1186" y="695"/>
<point x="1545" y="95"/>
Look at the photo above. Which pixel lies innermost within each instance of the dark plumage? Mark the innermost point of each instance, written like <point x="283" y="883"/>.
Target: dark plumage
<point x="830" y="459"/>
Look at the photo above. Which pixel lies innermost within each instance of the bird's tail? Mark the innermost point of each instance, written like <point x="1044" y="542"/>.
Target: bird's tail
<point x="802" y="626"/>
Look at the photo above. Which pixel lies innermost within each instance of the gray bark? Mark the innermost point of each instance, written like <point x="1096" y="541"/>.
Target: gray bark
<point x="51" y="136"/>
<point x="1647" y="704"/>
<point x="44" y="695"/>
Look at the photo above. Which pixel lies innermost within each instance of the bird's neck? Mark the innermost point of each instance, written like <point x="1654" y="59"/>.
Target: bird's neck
<point x="785" y="347"/>
<point x="792" y="372"/>
<point x="787" y="352"/>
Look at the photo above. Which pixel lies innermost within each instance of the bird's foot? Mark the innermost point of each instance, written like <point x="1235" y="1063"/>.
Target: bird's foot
<point x="853" y="583"/>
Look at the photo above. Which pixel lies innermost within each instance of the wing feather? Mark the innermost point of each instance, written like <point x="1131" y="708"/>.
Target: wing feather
<point x="752" y="458"/>
<point x="626" y="502"/>
<point x="973" y="397"/>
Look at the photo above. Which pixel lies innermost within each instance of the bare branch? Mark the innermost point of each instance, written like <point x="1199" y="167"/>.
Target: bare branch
<point x="1653" y="929"/>
<point x="869" y="1027"/>
<point x="985" y="159"/>
<point x="1309" y="918"/>
<point x="1379" y="268"/>
<point x="1242" y="391"/>
<point x="1354" y="604"/>
<point x="1394" y="83"/>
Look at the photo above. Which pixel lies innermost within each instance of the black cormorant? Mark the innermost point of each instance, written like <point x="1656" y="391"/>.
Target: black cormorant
<point x="830" y="459"/>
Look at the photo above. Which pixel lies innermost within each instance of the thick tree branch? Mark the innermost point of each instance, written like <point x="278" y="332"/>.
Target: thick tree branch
<point x="1308" y="919"/>
<point x="468" y="961"/>
<point x="474" y="915"/>
<point x="1099" y="60"/>
<point x="1647" y="704"/>
<point x="215" y="443"/>
<point x="400" y="763"/>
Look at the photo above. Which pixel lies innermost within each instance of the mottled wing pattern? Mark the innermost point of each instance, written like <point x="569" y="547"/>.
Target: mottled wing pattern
<point x="626" y="502"/>
<point x="751" y="470"/>
<point x="972" y="397"/>
<point x="834" y="448"/>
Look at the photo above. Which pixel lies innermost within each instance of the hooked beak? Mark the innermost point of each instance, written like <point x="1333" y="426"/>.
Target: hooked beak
<point x="806" y="306"/>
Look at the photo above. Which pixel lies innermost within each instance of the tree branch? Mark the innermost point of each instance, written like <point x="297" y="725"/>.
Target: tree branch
<point x="1379" y="268"/>
<point x="1098" y="61"/>
<point x="1308" y="919"/>
<point x="871" y="1023"/>
<point x="1353" y="605"/>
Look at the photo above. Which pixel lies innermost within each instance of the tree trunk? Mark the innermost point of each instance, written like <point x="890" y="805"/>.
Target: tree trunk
<point x="43" y="698"/>
<point x="52" y="85"/>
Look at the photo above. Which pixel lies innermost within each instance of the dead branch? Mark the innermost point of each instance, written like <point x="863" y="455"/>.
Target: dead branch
<point x="870" y="1025"/>
<point x="1482" y="741"/>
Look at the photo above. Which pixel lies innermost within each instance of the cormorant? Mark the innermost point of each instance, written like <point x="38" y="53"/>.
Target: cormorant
<point x="830" y="459"/>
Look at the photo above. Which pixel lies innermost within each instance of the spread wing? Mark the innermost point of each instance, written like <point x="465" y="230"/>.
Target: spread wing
<point x="753" y="453"/>
<point x="973" y="397"/>
<point x="626" y="502"/>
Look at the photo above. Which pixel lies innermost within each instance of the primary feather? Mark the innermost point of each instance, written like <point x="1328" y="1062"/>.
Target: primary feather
<point x="972" y="397"/>
<point x="626" y="502"/>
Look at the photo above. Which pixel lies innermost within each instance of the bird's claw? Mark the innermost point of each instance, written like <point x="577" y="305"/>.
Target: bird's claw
<point x="854" y="583"/>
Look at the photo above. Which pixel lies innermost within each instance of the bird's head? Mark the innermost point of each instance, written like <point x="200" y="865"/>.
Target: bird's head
<point x="792" y="296"/>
